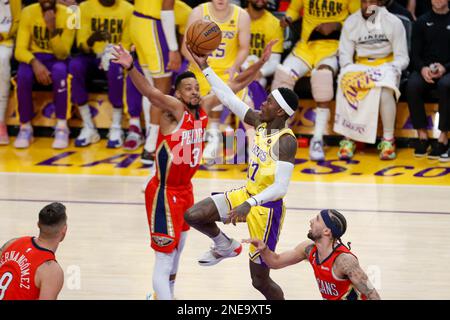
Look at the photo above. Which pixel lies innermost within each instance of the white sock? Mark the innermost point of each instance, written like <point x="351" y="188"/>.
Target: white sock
<point x="135" y="122"/>
<point x="176" y="260"/>
<point x="3" y="105"/>
<point x="152" y="138"/>
<point x="61" y="124"/>
<point x="221" y="241"/>
<point x="172" y="288"/>
<point x="117" y="118"/>
<point x="388" y="110"/>
<point x="26" y="126"/>
<point x="161" y="274"/>
<point x="322" y="117"/>
<point x="86" y="116"/>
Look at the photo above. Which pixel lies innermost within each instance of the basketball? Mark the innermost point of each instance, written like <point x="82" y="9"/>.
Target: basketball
<point x="203" y="36"/>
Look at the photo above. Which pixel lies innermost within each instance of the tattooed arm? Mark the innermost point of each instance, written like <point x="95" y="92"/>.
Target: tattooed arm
<point x="348" y="266"/>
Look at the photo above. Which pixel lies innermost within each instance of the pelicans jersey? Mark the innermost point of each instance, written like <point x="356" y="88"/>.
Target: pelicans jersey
<point x="169" y="193"/>
<point x="264" y="222"/>
<point x="313" y="46"/>
<point x="331" y="287"/>
<point x="114" y="19"/>
<point x="223" y="58"/>
<point x="18" y="266"/>
<point x="148" y="36"/>
<point x="264" y="30"/>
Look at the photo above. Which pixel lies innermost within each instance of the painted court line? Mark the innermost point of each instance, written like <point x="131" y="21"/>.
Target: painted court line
<point x="288" y="208"/>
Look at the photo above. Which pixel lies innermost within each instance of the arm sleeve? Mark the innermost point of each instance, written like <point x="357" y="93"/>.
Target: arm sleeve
<point x="22" y="52"/>
<point x="278" y="189"/>
<point x="168" y="26"/>
<point x="346" y="47"/>
<point x="400" y="47"/>
<point x="225" y="94"/>
<point x="293" y="11"/>
<point x="269" y="67"/>
<point x="417" y="46"/>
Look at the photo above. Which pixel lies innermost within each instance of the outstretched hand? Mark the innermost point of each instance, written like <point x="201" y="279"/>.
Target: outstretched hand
<point x="122" y="56"/>
<point x="257" y="243"/>
<point x="201" y="60"/>
<point x="268" y="51"/>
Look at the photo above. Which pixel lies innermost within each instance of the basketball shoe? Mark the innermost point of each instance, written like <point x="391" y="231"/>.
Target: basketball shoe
<point x="215" y="255"/>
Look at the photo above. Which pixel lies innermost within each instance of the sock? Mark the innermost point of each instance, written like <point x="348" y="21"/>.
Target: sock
<point x="135" y="122"/>
<point x="222" y="241"/>
<point x="161" y="274"/>
<point x="150" y="142"/>
<point x="117" y="118"/>
<point x="26" y="126"/>
<point x="61" y="123"/>
<point x="86" y="116"/>
<point x="3" y="105"/>
<point x="322" y="117"/>
<point x="388" y="111"/>
<point x="214" y="124"/>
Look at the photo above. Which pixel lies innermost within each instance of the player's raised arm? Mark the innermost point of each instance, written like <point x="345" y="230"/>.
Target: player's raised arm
<point x="284" y="259"/>
<point x="224" y="92"/>
<point x="159" y="99"/>
<point x="348" y="265"/>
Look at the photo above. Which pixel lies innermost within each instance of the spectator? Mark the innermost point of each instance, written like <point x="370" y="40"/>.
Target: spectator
<point x="9" y="22"/>
<point x="431" y="64"/>
<point x="43" y="46"/>
<point x="95" y="41"/>
<point x="372" y="53"/>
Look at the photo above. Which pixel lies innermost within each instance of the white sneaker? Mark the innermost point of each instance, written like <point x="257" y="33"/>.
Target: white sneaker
<point x="213" y="147"/>
<point x="150" y="296"/>
<point x="316" y="152"/>
<point x="86" y="137"/>
<point x="214" y="255"/>
<point x="115" y="138"/>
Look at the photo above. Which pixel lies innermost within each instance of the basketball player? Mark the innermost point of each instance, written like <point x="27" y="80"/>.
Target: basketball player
<point x="44" y="41"/>
<point x="103" y="23"/>
<point x="315" y="52"/>
<point x="153" y="24"/>
<point x="179" y="149"/>
<point x="260" y="202"/>
<point x="9" y="22"/>
<point x="337" y="270"/>
<point x="28" y="266"/>
<point x="226" y="60"/>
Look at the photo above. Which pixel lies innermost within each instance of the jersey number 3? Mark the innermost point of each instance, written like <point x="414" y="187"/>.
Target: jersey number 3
<point x="5" y="280"/>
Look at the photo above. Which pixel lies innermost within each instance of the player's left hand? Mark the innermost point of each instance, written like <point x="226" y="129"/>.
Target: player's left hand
<point x="268" y="51"/>
<point x="122" y="56"/>
<point x="239" y="214"/>
<point x="174" y="60"/>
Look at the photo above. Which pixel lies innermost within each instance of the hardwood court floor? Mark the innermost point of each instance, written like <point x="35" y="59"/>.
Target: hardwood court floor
<point x="398" y="227"/>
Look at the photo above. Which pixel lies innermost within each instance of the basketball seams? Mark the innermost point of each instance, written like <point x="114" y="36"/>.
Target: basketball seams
<point x="197" y="39"/>
<point x="210" y="39"/>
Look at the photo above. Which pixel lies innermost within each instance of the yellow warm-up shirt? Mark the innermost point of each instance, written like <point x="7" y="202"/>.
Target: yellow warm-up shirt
<point x="114" y="19"/>
<point x="9" y="20"/>
<point x="264" y="30"/>
<point x="316" y="12"/>
<point x="33" y="35"/>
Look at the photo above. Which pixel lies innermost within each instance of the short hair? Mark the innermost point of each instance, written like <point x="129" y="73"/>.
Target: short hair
<point x="182" y="76"/>
<point x="53" y="214"/>
<point x="339" y="221"/>
<point x="290" y="97"/>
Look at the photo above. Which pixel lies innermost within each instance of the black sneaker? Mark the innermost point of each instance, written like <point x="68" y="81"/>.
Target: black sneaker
<point x="147" y="158"/>
<point x="421" y="148"/>
<point x="437" y="149"/>
<point x="445" y="157"/>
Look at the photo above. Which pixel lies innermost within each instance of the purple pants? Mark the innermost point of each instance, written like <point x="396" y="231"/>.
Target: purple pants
<point x="26" y="79"/>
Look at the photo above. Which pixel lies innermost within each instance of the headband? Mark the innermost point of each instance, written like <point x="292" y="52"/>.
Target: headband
<point x="283" y="104"/>
<point x="335" y="231"/>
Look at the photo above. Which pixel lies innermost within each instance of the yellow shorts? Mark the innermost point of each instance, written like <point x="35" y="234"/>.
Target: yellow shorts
<point x="315" y="51"/>
<point x="264" y="222"/>
<point x="151" y="44"/>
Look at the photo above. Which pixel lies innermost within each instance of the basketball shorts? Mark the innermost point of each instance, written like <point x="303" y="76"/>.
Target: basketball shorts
<point x="263" y="222"/>
<point x="151" y="45"/>
<point x="314" y="52"/>
<point x="165" y="213"/>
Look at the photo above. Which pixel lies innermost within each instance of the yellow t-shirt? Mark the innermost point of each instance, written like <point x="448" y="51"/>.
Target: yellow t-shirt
<point x="152" y="8"/>
<point x="33" y="35"/>
<point x="262" y="164"/>
<point x="264" y="30"/>
<point x="113" y="19"/>
<point x="316" y="12"/>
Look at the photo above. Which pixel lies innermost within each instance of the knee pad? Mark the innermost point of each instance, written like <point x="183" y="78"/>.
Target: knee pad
<point x="322" y="85"/>
<point x="283" y="78"/>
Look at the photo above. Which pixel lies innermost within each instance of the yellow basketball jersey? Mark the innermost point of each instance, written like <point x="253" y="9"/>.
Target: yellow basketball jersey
<point x="224" y="56"/>
<point x="261" y="167"/>
<point x="316" y="12"/>
<point x="264" y="30"/>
